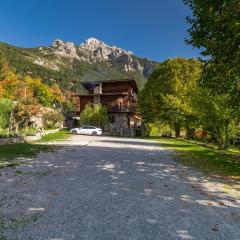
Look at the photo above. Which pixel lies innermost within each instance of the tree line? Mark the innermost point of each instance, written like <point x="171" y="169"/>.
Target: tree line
<point x="201" y="93"/>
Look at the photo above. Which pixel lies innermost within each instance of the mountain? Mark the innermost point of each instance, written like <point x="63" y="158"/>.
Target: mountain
<point x="68" y="64"/>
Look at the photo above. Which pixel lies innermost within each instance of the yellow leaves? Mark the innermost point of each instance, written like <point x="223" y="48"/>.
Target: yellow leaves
<point x="57" y="93"/>
<point x="14" y="87"/>
<point x="1" y="91"/>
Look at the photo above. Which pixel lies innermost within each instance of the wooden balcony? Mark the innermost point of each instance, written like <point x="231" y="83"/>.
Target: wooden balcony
<point x="119" y="109"/>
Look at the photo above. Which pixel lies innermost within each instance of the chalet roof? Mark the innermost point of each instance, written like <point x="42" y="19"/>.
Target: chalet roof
<point x="92" y="83"/>
<point x="102" y="94"/>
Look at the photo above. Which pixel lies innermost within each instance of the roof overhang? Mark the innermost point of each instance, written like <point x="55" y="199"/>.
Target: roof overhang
<point x="91" y="84"/>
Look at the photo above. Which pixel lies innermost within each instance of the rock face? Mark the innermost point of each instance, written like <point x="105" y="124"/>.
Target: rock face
<point x="65" y="49"/>
<point x="95" y="51"/>
<point x="39" y="61"/>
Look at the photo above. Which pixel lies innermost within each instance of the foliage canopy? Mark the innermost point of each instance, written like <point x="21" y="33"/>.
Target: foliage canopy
<point x="94" y="114"/>
<point x="166" y="96"/>
<point x="6" y="107"/>
<point x="215" y="29"/>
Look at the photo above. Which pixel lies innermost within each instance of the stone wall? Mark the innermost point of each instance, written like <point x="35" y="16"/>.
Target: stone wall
<point x="120" y="123"/>
<point x="120" y="126"/>
<point x="127" y="132"/>
<point x="123" y="126"/>
<point x="39" y="135"/>
<point x="11" y="140"/>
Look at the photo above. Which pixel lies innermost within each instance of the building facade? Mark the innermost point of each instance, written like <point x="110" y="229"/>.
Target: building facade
<point x="119" y="97"/>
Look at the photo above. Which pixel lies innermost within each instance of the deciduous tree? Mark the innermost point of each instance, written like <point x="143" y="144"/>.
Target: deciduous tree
<point x="166" y="95"/>
<point x="216" y="116"/>
<point x="94" y="114"/>
<point x="215" y="29"/>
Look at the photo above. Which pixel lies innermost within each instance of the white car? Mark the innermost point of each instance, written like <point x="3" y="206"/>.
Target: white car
<point x="87" y="130"/>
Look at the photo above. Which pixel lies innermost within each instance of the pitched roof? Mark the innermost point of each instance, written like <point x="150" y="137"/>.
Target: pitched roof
<point x="92" y="83"/>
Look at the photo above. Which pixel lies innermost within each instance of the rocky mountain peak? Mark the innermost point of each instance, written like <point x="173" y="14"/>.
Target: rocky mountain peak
<point x="94" y="41"/>
<point x="96" y="51"/>
<point x="93" y="44"/>
<point x="65" y="49"/>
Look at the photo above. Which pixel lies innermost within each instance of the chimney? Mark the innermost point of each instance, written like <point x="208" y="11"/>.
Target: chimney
<point x="97" y="92"/>
<point x="98" y="88"/>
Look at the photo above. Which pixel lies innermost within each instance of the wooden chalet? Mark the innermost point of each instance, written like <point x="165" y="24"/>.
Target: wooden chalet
<point x="120" y="97"/>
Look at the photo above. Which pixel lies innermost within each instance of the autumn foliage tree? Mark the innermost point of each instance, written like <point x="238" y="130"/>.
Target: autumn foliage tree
<point x="27" y="94"/>
<point x="46" y="95"/>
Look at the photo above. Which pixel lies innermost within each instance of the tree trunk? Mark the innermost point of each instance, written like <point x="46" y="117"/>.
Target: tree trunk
<point x="224" y="143"/>
<point x="16" y="128"/>
<point x="177" y="129"/>
<point x="188" y="131"/>
<point x="226" y="139"/>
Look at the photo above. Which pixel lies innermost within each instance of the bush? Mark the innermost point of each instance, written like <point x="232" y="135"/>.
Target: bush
<point x="29" y="131"/>
<point x="5" y="133"/>
<point x="6" y="108"/>
<point x="155" y="129"/>
<point x="94" y="114"/>
<point x="52" y="120"/>
<point x="68" y="106"/>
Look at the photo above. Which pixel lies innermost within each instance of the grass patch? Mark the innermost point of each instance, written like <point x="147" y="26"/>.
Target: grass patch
<point x="57" y="136"/>
<point x="221" y="163"/>
<point x="10" y="154"/>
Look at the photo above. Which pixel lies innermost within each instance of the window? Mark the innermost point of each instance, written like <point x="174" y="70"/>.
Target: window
<point x="111" y="119"/>
<point x="88" y="127"/>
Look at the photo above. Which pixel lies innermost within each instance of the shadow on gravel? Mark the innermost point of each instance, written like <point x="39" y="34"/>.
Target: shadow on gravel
<point x="118" y="192"/>
<point x="14" y="154"/>
<point x="144" y="143"/>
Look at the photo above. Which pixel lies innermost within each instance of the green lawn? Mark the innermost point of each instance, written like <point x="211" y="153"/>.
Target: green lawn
<point x="221" y="163"/>
<point x="58" y="136"/>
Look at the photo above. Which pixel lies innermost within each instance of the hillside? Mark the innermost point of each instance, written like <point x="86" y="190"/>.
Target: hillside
<point x="67" y="64"/>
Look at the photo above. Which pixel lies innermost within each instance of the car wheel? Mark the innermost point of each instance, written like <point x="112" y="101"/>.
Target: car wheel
<point x="94" y="133"/>
<point x="74" y="132"/>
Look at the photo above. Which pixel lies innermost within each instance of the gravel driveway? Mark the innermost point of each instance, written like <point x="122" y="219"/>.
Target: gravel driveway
<point x="105" y="188"/>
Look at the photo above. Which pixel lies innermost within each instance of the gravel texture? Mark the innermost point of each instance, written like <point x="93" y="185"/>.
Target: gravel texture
<point x="106" y="188"/>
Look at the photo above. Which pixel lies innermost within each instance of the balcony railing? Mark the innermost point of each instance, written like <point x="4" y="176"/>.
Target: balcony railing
<point x="121" y="108"/>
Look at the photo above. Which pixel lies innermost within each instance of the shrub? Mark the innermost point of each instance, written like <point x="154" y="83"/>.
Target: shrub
<point x="29" y="131"/>
<point x="94" y="114"/>
<point x="68" y="106"/>
<point x="6" y="108"/>
<point x="157" y="128"/>
<point x="5" y="134"/>
<point x="52" y="120"/>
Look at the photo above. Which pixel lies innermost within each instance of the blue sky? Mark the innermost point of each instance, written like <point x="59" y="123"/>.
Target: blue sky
<point x="150" y="28"/>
